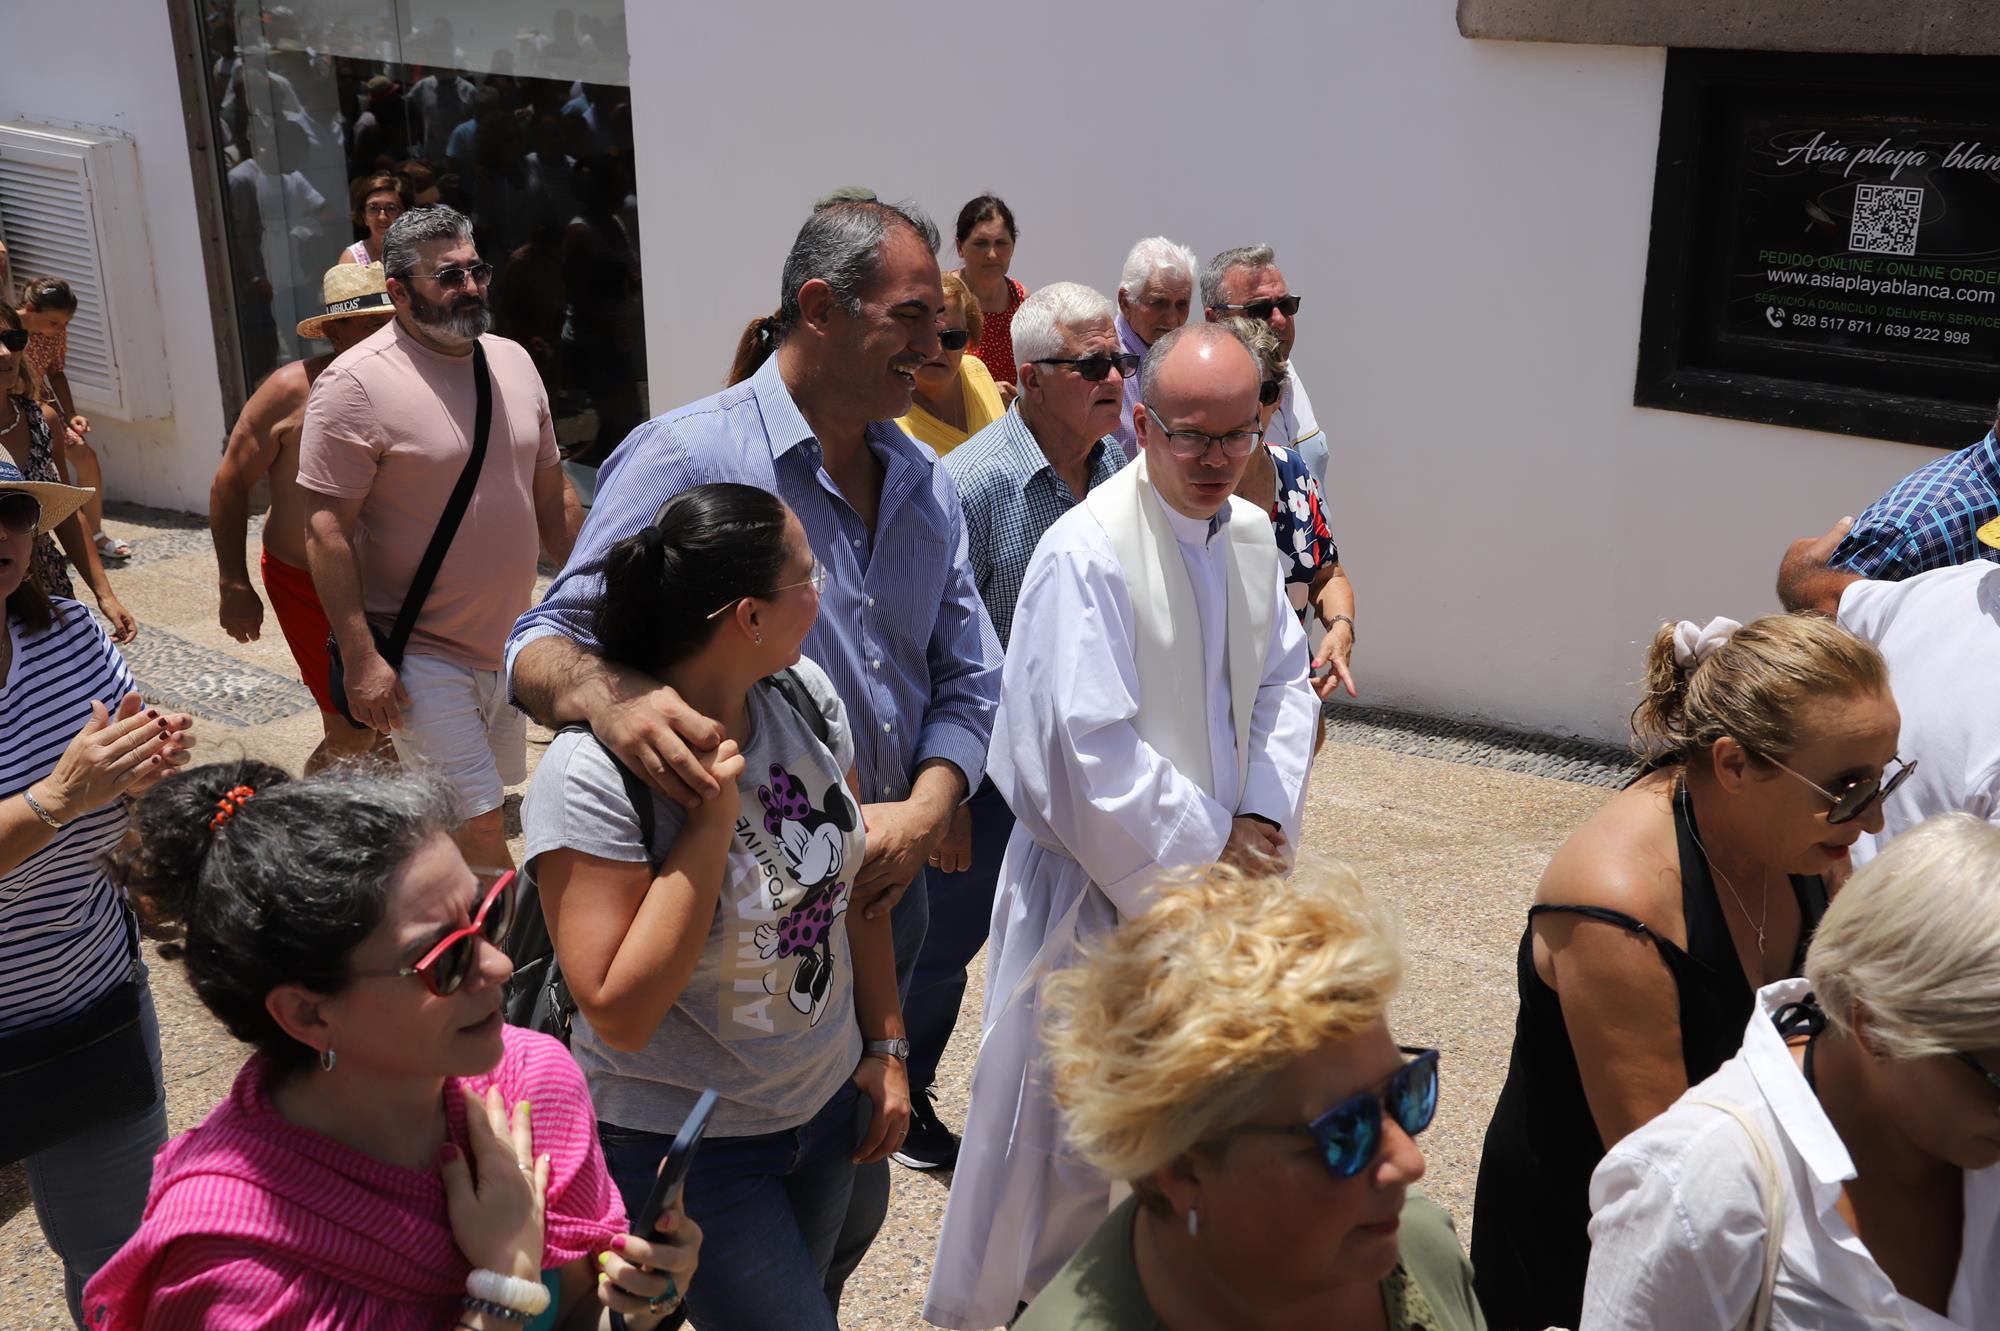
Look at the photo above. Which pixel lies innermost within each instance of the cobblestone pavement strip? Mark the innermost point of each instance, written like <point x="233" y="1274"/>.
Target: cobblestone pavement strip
<point x="1452" y="822"/>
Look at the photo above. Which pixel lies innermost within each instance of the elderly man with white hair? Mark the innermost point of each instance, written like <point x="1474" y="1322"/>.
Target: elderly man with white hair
<point x="1015" y="478"/>
<point x="1155" y="292"/>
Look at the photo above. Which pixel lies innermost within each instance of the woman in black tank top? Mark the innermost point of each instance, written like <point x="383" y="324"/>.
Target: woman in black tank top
<point x="1659" y="919"/>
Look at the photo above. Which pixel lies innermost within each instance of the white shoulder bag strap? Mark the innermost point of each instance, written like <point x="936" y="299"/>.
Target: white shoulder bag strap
<point x="1772" y="1186"/>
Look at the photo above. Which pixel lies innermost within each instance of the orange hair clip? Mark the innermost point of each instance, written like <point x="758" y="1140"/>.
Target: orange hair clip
<point x="230" y="805"/>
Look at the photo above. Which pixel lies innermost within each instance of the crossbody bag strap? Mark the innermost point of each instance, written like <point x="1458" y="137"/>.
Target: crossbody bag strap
<point x="1771" y="1186"/>
<point x="454" y="513"/>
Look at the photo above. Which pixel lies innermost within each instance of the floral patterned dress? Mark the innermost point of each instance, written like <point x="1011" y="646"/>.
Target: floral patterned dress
<point x="48" y="566"/>
<point x="1299" y="519"/>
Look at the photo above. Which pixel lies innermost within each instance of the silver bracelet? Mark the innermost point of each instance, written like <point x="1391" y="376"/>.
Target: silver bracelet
<point x="39" y="812"/>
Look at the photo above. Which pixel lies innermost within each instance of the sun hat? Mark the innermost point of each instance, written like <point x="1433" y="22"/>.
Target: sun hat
<point x="349" y="289"/>
<point x="58" y="501"/>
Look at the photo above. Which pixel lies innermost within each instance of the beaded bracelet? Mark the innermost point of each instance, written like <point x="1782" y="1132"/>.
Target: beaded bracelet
<point x="492" y="1309"/>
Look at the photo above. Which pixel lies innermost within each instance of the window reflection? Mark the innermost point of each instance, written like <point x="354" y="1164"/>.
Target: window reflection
<point x="515" y="112"/>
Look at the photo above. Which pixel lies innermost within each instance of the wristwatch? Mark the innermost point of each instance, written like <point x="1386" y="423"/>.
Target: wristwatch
<point x="898" y="1048"/>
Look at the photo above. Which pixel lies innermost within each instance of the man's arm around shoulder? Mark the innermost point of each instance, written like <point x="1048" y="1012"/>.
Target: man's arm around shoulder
<point x="1806" y="583"/>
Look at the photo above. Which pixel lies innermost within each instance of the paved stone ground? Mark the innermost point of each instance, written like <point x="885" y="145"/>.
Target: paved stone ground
<point x="1452" y="822"/>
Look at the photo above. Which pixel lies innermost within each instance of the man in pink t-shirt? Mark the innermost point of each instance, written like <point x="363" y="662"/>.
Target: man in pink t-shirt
<point x="388" y="429"/>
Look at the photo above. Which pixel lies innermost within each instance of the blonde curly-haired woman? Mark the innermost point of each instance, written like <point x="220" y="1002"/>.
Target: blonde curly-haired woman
<point x="1228" y="1055"/>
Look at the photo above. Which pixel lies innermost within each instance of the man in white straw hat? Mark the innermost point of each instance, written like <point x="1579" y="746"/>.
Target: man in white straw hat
<point x="265" y="443"/>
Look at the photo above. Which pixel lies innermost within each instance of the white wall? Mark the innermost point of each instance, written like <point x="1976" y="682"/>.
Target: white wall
<point x="1468" y="221"/>
<point x="111" y="63"/>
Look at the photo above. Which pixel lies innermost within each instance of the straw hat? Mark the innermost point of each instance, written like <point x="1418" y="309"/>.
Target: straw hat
<point x="58" y="501"/>
<point x="350" y="289"/>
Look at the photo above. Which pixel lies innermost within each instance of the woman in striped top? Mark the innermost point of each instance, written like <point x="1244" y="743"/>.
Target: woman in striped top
<point x="374" y="1165"/>
<point x="77" y="740"/>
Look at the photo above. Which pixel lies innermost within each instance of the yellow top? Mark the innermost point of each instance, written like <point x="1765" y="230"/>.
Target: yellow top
<point x="982" y="408"/>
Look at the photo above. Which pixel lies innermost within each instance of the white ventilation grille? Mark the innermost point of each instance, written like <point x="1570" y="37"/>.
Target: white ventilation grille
<point x="70" y="208"/>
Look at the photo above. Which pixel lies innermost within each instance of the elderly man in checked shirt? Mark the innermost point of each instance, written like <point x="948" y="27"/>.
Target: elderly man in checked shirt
<point x="1930" y="519"/>
<point x="901" y="632"/>
<point x="1015" y="478"/>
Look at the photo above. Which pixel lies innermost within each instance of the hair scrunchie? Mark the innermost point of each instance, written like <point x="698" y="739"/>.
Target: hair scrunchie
<point x="1695" y="643"/>
<point x="767" y="331"/>
<point x="230" y="805"/>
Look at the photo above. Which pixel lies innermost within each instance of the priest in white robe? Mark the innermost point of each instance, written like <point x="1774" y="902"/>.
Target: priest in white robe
<point x="1155" y="716"/>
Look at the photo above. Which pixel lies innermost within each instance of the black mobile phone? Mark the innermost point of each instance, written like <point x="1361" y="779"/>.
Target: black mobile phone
<point x="675" y="1164"/>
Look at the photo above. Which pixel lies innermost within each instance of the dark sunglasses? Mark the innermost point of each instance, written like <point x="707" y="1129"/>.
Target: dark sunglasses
<point x="1992" y="1077"/>
<point x="1269" y="392"/>
<point x="1350" y="1134"/>
<point x="1261" y="309"/>
<point x="451" y="279"/>
<point x="954" y="339"/>
<point x="444" y="968"/>
<point x="1093" y="369"/>
<point x="20" y="513"/>
<point x="1852" y="802"/>
<point x="14" y="339"/>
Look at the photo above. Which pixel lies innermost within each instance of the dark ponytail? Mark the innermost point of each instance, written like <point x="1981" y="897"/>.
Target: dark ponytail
<point x="282" y="887"/>
<point x="759" y="340"/>
<point x="709" y="546"/>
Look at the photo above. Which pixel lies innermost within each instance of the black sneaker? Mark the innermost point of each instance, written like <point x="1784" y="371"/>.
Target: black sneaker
<point x="930" y="1144"/>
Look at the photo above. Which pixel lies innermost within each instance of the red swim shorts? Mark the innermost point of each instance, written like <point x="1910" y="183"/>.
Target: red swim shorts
<point x="303" y="622"/>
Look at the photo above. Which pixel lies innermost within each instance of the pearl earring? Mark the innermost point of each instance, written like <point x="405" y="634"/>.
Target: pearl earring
<point x="758" y="640"/>
<point x="326" y="1058"/>
<point x="1194" y="1222"/>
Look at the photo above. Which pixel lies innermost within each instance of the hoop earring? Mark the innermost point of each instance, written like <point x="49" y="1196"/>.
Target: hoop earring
<point x="326" y="1059"/>
<point x="1194" y="1222"/>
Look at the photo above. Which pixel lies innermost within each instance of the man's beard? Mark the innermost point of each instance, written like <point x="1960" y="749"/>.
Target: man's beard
<point x="464" y="319"/>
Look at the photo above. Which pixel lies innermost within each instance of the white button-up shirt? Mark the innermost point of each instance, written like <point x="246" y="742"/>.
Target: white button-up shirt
<point x="1677" y="1230"/>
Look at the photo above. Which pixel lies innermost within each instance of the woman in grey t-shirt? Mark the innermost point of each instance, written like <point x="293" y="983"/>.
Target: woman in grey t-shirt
<point x="723" y="953"/>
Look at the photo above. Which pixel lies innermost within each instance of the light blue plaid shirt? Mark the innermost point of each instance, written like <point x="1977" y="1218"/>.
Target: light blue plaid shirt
<point x="1011" y="495"/>
<point x="901" y="630"/>
<point x="1928" y="519"/>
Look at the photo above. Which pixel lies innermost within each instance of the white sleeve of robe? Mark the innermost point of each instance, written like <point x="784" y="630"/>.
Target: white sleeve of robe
<point x="1283" y="725"/>
<point x="1067" y="757"/>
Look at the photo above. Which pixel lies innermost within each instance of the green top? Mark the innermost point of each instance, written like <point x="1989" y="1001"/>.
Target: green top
<point x="1430" y="1289"/>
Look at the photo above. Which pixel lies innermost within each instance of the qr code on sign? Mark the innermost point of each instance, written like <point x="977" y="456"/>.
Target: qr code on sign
<point x="1885" y="219"/>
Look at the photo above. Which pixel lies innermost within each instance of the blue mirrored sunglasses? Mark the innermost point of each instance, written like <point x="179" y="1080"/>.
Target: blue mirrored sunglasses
<point x="1350" y="1134"/>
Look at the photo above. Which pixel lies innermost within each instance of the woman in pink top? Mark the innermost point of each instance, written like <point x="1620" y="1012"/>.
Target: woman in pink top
<point x="374" y="1165"/>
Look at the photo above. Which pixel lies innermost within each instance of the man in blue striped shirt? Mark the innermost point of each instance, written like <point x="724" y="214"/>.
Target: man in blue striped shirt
<point x="1929" y="519"/>
<point x="1015" y="478"/>
<point x="901" y="632"/>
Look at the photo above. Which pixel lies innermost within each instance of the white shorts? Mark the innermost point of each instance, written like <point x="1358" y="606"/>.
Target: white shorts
<point x="460" y="725"/>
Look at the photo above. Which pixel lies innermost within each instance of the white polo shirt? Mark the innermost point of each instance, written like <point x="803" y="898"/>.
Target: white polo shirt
<point x="1677" y="1214"/>
<point x="1940" y="633"/>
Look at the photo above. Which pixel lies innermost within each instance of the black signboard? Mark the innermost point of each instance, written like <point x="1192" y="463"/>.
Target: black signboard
<point x="1826" y="244"/>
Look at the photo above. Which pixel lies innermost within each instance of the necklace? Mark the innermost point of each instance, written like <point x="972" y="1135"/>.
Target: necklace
<point x="17" y="414"/>
<point x="1763" y="878"/>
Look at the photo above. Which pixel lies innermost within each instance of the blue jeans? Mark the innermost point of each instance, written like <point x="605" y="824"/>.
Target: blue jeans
<point x="961" y="911"/>
<point x="769" y="1207"/>
<point x="908" y="924"/>
<point x="90" y="1191"/>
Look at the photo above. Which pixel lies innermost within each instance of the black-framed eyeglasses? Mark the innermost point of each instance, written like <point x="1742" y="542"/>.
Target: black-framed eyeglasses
<point x="1262" y="309"/>
<point x="1269" y="392"/>
<point x="954" y="339"/>
<point x="14" y="339"/>
<point x="816" y="580"/>
<point x="1349" y="1135"/>
<point x="20" y="512"/>
<point x="451" y="279"/>
<point x="1094" y="369"/>
<point x="1192" y="444"/>
<point x="444" y="967"/>
<point x="1992" y="1077"/>
<point x="1852" y="802"/>
<point x="382" y="209"/>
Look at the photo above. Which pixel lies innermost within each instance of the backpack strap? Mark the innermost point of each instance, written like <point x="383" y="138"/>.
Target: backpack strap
<point x="794" y="691"/>
<point x="636" y="788"/>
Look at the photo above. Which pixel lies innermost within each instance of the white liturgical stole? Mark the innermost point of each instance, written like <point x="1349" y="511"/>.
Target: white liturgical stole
<point x="1173" y="703"/>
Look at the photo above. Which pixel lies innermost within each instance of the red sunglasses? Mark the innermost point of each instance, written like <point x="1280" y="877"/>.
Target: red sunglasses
<point x="444" y="968"/>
